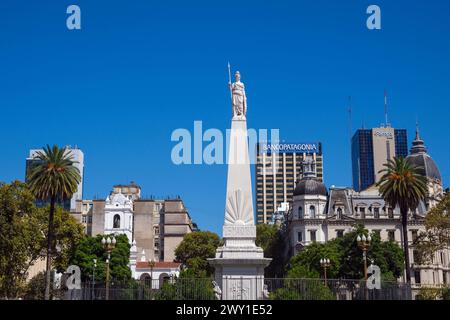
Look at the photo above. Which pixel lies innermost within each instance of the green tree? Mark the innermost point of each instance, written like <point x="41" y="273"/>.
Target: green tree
<point x="266" y="235"/>
<point x="437" y="231"/>
<point x="20" y="237"/>
<point x="190" y="285"/>
<point x="91" y="248"/>
<point x="303" y="290"/>
<point x="67" y="234"/>
<point x="387" y="255"/>
<point x="195" y="249"/>
<point x="346" y="258"/>
<point x="402" y="185"/>
<point x="310" y="257"/>
<point x="301" y="271"/>
<point x="54" y="178"/>
<point x="35" y="288"/>
<point x="270" y="238"/>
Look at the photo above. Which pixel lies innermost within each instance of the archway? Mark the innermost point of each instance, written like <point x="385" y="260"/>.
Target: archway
<point x="163" y="277"/>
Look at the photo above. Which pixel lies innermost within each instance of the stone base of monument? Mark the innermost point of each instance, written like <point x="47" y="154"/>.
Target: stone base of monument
<point x="239" y="264"/>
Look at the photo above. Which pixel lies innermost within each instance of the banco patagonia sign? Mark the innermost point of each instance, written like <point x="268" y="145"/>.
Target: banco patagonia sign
<point x="313" y="147"/>
<point x="385" y="134"/>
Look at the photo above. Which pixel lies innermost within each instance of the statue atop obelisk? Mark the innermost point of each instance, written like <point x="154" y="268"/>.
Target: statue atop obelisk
<point x="238" y="97"/>
<point x="239" y="264"/>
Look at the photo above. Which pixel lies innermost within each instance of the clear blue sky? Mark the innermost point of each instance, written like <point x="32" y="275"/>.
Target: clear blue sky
<point x="140" y="69"/>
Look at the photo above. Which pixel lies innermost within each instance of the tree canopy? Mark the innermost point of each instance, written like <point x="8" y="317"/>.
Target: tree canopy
<point x="437" y="231"/>
<point x="346" y="258"/>
<point x="91" y="248"/>
<point x="195" y="249"/>
<point x="270" y="239"/>
<point x="23" y="236"/>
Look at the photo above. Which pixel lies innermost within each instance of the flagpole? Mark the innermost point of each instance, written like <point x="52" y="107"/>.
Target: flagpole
<point x="229" y="79"/>
<point x="229" y="85"/>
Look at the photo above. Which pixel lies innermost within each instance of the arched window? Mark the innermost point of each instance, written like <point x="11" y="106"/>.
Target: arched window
<point x="163" y="277"/>
<point x="146" y="279"/>
<point x="339" y="213"/>
<point x="116" y="222"/>
<point x="300" y="212"/>
<point x="312" y="212"/>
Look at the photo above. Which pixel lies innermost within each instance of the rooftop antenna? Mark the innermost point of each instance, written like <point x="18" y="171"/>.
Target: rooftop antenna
<point x="350" y="116"/>
<point x="350" y="126"/>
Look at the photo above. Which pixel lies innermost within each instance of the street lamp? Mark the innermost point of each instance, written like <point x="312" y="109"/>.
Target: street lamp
<point x="151" y="263"/>
<point x="93" y="277"/>
<point x="364" y="244"/>
<point x="109" y="245"/>
<point x="325" y="263"/>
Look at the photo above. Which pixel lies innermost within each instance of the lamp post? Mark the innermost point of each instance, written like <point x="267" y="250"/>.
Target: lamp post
<point x="109" y="245"/>
<point x="325" y="263"/>
<point x="364" y="244"/>
<point x="93" y="278"/>
<point x="151" y="264"/>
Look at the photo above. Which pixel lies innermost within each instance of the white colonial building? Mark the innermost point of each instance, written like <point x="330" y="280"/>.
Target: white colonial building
<point x="154" y="227"/>
<point x="119" y="215"/>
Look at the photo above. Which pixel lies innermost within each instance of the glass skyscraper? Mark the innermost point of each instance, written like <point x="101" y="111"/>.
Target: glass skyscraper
<point x="371" y="148"/>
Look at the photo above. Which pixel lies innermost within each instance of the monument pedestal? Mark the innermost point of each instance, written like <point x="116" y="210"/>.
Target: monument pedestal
<point x="239" y="264"/>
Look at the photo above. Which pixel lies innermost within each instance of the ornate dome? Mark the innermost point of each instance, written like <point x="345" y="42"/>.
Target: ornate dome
<point x="420" y="158"/>
<point x="310" y="186"/>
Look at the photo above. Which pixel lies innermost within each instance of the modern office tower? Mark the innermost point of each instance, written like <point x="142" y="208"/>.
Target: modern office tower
<point x="371" y="148"/>
<point x="78" y="157"/>
<point x="278" y="167"/>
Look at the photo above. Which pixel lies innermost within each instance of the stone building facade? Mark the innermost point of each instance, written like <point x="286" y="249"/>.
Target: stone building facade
<point x="319" y="215"/>
<point x="156" y="226"/>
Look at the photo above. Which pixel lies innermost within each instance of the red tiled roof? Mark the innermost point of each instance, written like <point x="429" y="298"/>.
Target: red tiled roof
<point x="163" y="264"/>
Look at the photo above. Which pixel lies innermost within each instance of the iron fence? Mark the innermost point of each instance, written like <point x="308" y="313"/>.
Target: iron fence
<point x="148" y="289"/>
<point x="334" y="289"/>
<point x="267" y="289"/>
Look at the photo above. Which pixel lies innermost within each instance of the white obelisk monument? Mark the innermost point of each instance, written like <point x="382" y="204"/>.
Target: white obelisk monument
<point x="239" y="264"/>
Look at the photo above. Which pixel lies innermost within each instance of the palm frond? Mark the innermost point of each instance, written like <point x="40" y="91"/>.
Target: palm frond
<point x="401" y="184"/>
<point x="55" y="175"/>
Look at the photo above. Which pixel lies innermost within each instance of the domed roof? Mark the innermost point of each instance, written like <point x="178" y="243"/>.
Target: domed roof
<point x="420" y="158"/>
<point x="310" y="186"/>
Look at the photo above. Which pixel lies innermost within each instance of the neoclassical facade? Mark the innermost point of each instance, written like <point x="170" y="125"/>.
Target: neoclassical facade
<point x="319" y="214"/>
<point x="154" y="227"/>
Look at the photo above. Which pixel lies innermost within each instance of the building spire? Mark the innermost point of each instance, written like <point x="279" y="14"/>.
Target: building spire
<point x="417" y="130"/>
<point x="418" y="143"/>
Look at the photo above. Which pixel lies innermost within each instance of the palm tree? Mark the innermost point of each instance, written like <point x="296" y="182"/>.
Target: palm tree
<point x="402" y="185"/>
<point x="54" y="179"/>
